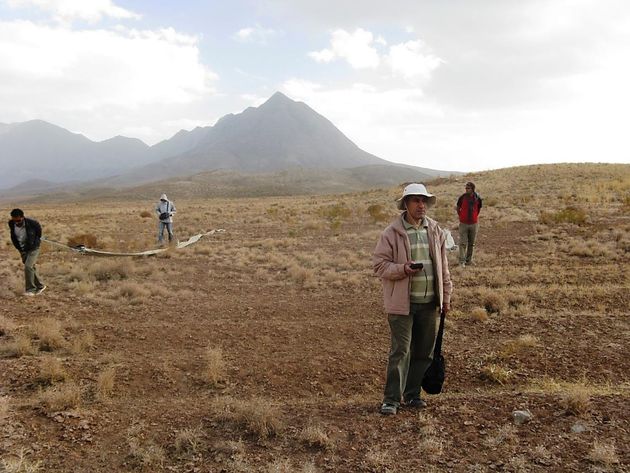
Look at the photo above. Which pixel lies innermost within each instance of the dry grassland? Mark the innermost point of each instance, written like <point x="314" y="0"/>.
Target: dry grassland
<point x="263" y="349"/>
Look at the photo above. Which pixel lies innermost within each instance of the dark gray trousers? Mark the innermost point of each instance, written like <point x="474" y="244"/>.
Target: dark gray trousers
<point x="412" y="343"/>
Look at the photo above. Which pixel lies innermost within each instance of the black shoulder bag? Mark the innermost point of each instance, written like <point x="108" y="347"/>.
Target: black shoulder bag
<point x="434" y="376"/>
<point x="165" y="215"/>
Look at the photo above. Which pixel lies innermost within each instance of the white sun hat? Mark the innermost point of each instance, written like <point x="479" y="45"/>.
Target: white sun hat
<point x="415" y="189"/>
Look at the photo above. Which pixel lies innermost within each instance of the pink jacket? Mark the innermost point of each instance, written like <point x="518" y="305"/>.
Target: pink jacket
<point x="393" y="251"/>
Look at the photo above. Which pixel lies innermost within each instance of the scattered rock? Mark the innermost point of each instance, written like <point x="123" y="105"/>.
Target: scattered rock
<point x="578" y="428"/>
<point x="522" y="416"/>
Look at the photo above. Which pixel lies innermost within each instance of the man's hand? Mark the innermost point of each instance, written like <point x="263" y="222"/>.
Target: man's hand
<point x="445" y="308"/>
<point x="408" y="270"/>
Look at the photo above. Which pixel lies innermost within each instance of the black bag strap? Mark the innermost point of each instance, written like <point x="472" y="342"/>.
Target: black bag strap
<point x="437" y="351"/>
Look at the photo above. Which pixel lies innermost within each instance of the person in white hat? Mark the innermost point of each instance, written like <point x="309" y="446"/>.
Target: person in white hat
<point x="165" y="210"/>
<point x="410" y="258"/>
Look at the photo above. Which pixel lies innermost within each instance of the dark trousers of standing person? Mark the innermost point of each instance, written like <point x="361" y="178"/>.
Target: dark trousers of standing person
<point x="412" y="343"/>
<point x="31" y="277"/>
<point x="467" y="237"/>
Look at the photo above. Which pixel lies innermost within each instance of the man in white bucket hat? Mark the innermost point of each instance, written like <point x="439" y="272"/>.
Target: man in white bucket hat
<point x="165" y="210"/>
<point x="410" y="258"/>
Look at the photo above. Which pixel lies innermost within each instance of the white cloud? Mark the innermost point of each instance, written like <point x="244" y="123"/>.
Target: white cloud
<point x="412" y="60"/>
<point x="104" y="75"/>
<point x="356" y="48"/>
<point x="69" y="10"/>
<point x="255" y="34"/>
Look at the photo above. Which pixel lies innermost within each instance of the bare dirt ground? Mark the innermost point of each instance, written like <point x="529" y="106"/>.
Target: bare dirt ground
<point x="263" y="349"/>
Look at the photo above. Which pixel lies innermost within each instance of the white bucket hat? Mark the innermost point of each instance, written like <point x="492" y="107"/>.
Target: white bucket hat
<point x="415" y="189"/>
<point x="163" y="197"/>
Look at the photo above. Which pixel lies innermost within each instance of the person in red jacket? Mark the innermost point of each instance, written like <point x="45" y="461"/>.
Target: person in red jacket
<point x="468" y="207"/>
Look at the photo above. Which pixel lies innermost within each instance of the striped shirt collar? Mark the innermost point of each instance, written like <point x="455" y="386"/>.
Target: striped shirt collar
<point x="424" y="223"/>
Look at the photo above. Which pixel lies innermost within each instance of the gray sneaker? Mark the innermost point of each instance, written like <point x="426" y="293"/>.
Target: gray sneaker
<point x="388" y="409"/>
<point x="29" y="293"/>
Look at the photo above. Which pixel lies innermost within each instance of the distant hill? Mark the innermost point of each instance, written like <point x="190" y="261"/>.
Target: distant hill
<point x="39" y="150"/>
<point x="281" y="134"/>
<point x="230" y="183"/>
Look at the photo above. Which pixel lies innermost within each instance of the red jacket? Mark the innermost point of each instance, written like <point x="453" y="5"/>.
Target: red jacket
<point x="468" y="208"/>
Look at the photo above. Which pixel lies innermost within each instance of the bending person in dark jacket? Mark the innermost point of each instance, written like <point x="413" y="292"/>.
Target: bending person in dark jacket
<point x="26" y="235"/>
<point x="468" y="208"/>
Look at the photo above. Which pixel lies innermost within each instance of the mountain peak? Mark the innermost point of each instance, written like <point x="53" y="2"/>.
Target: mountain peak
<point x="279" y="98"/>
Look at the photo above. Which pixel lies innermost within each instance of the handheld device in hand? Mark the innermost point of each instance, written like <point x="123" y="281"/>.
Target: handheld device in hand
<point x="416" y="265"/>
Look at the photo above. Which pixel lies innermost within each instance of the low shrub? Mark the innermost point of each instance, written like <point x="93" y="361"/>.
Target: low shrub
<point x="576" y="400"/>
<point x="20" y="346"/>
<point x="496" y="374"/>
<point x="51" y="370"/>
<point x="110" y="270"/>
<point x="603" y="453"/>
<point x="48" y="331"/>
<point x="85" y="239"/>
<point x="105" y="383"/>
<point x="258" y="416"/>
<point x="569" y="214"/>
<point x="61" y="397"/>
<point x="377" y="213"/>
<point x="215" y="366"/>
<point x="315" y="435"/>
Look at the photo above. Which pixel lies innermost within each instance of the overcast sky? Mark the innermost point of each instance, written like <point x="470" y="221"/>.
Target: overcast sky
<point x="446" y="84"/>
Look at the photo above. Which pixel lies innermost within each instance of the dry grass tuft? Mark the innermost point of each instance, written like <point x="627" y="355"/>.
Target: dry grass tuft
<point x="48" y="331"/>
<point x="479" y="314"/>
<point x="430" y="443"/>
<point x="133" y="290"/>
<point x="496" y="374"/>
<point x="51" y="370"/>
<point x="143" y="452"/>
<point x="570" y="214"/>
<point x="61" y="397"/>
<point x="20" y="464"/>
<point x="6" y="326"/>
<point x="4" y="407"/>
<point x="493" y="301"/>
<point x="83" y="342"/>
<point x="145" y="214"/>
<point x="110" y="270"/>
<point x="215" y="369"/>
<point x="576" y="399"/>
<point x="188" y="441"/>
<point x="285" y="466"/>
<point x="378" y="459"/>
<point x="105" y="383"/>
<point x="603" y="453"/>
<point x="258" y="416"/>
<point x="519" y="345"/>
<point x="542" y="455"/>
<point x="315" y="435"/>
<point x="85" y="239"/>
<point x="504" y="434"/>
<point x="299" y="273"/>
<point x="377" y="213"/>
<point x="20" y="346"/>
